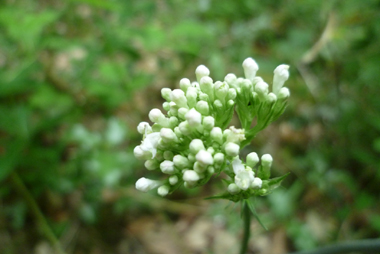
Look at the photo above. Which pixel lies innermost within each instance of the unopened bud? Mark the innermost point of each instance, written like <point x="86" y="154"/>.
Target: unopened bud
<point x="232" y="149"/>
<point x="180" y="161"/>
<point x="204" y="158"/>
<point x="163" y="190"/>
<point x="151" y="164"/>
<point x="281" y="74"/>
<point x="202" y="107"/>
<point x="184" y="84"/>
<point x="252" y="159"/>
<point x="173" y="180"/>
<point x="166" y="93"/>
<point x="167" y="167"/>
<point x="217" y="135"/>
<point x="208" y="123"/>
<point x="233" y="188"/>
<point x="256" y="183"/>
<point x="145" y="184"/>
<point x="201" y="71"/>
<point x="193" y="117"/>
<point x="190" y="176"/>
<point x="144" y="128"/>
<point x="196" y="145"/>
<point x="250" y="68"/>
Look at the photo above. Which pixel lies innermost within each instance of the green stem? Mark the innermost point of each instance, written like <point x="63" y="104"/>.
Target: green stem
<point x="247" y="227"/>
<point x="21" y="188"/>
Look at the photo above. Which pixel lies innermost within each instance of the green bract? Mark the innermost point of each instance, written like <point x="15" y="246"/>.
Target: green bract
<point x="192" y="141"/>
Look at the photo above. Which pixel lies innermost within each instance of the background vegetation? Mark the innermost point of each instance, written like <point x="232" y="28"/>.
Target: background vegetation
<point x="77" y="76"/>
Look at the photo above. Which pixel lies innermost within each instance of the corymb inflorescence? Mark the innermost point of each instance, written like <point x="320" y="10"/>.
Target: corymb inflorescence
<point x="192" y="140"/>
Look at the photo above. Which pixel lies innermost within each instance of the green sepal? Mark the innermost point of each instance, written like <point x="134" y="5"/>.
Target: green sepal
<point x="270" y="185"/>
<point x="263" y="173"/>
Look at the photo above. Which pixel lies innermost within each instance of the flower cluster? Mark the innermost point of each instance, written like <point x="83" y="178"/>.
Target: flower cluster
<point x="192" y="141"/>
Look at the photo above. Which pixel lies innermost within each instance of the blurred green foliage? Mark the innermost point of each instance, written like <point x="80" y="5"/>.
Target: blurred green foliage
<point x="74" y="79"/>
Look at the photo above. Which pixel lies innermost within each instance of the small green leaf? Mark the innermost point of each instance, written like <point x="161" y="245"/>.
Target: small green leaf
<point x="270" y="185"/>
<point x="253" y="210"/>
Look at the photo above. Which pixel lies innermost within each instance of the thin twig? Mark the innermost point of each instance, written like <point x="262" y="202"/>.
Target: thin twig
<point x="21" y="188"/>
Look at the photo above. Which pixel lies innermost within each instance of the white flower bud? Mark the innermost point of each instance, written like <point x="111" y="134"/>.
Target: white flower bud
<point x="144" y="128"/>
<point x="163" y="190"/>
<point x="151" y="164"/>
<point x="246" y="86"/>
<point x="230" y="103"/>
<point x="173" y="180"/>
<point x="207" y="86"/>
<point x="193" y="117"/>
<point x="271" y="98"/>
<point x="266" y="160"/>
<point x="261" y="89"/>
<point x="252" y="159"/>
<point x="173" y="108"/>
<point x="156" y="116"/>
<point x="283" y="94"/>
<point x="167" y="167"/>
<point x="231" y="95"/>
<point x="211" y="169"/>
<point x="166" y="93"/>
<point x="201" y="71"/>
<point x="180" y="161"/>
<point x="145" y="184"/>
<point x="281" y="74"/>
<point x="232" y="149"/>
<point x="184" y="84"/>
<point x="203" y="96"/>
<point x="202" y="107"/>
<point x="199" y="168"/>
<point x="211" y="150"/>
<point x="173" y="121"/>
<point x="191" y="96"/>
<point x="182" y="112"/>
<point x="256" y="80"/>
<point x="256" y="183"/>
<point x="204" y="158"/>
<point x="178" y="96"/>
<point x="184" y="128"/>
<point x="230" y="79"/>
<point x="233" y="188"/>
<point x="221" y="90"/>
<point x="217" y="135"/>
<point x="166" y="106"/>
<point x="190" y="176"/>
<point x="250" y="68"/>
<point x="208" y="123"/>
<point x="141" y="154"/>
<point x="218" y="105"/>
<point x="168" y="135"/>
<point x="196" y="145"/>
<point x="219" y="158"/>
